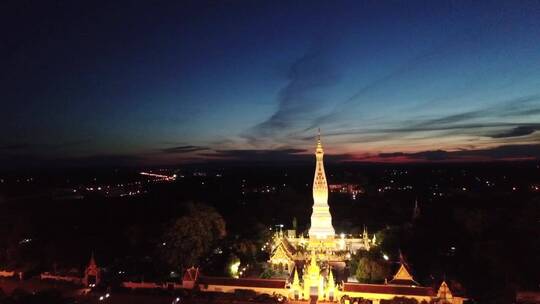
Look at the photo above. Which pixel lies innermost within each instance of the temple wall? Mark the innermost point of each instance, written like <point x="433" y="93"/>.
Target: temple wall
<point x="151" y="285"/>
<point x="231" y="289"/>
<point x="382" y="296"/>
<point x="140" y="285"/>
<point x="47" y="276"/>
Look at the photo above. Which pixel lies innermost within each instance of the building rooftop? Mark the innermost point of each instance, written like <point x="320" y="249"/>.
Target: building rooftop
<point x="261" y="283"/>
<point x="388" y="289"/>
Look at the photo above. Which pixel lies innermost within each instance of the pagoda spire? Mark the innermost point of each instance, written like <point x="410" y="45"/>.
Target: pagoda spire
<point x="331" y="282"/>
<point x="313" y="261"/>
<point x="321" y="219"/>
<point x="296" y="280"/>
<point x="92" y="261"/>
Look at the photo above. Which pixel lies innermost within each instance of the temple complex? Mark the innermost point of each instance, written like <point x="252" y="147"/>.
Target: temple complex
<point x="291" y="249"/>
<point x="318" y="285"/>
<point x="309" y="262"/>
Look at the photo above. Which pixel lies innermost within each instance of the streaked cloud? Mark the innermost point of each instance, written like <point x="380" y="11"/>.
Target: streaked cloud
<point x="182" y="149"/>
<point x="518" y="131"/>
<point x="270" y="156"/>
<point x="297" y="101"/>
<point x="501" y="153"/>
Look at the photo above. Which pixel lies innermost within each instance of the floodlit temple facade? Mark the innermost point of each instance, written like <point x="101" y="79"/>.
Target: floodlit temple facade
<point x="315" y="286"/>
<point x="310" y="261"/>
<point x="291" y="249"/>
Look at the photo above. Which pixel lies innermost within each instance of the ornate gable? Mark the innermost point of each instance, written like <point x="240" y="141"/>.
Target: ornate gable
<point x="444" y="293"/>
<point x="403" y="277"/>
<point x="403" y="274"/>
<point x="281" y="254"/>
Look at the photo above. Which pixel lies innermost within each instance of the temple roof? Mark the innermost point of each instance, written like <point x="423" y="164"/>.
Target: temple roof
<point x="283" y="250"/>
<point x="261" y="283"/>
<point x="191" y="274"/>
<point x="403" y="277"/>
<point x="444" y="292"/>
<point x="388" y="289"/>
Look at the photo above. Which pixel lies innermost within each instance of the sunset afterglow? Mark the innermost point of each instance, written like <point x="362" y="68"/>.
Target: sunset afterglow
<point x="391" y="82"/>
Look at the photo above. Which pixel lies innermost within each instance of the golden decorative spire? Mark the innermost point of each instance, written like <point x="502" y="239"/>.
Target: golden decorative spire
<point x="313" y="263"/>
<point x="313" y="270"/>
<point x="319" y="148"/>
<point x="311" y="276"/>
<point x="296" y="280"/>
<point x="92" y="262"/>
<point x="331" y="282"/>
<point x="321" y="220"/>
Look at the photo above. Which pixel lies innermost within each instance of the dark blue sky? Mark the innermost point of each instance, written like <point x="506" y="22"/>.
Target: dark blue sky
<point x="165" y="82"/>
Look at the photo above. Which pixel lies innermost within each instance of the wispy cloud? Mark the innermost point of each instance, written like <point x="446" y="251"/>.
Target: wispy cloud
<point x="297" y="101"/>
<point x="183" y="149"/>
<point x="269" y="155"/>
<point x="489" y="122"/>
<point x="516" y="107"/>
<point x="507" y="152"/>
<point x="438" y="51"/>
<point x="518" y="131"/>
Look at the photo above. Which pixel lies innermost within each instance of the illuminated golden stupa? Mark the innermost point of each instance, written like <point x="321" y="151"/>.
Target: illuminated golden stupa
<point x="321" y="220"/>
<point x="291" y="248"/>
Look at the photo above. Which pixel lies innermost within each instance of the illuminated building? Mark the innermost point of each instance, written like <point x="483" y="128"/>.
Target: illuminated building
<point x="319" y="285"/>
<point x="321" y="220"/>
<point x="308" y="263"/>
<point x="292" y="248"/>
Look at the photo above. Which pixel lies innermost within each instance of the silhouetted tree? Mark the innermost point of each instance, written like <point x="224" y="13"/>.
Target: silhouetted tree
<point x="192" y="236"/>
<point x="369" y="267"/>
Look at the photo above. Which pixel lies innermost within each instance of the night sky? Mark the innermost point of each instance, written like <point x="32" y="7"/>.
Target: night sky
<point x="157" y="82"/>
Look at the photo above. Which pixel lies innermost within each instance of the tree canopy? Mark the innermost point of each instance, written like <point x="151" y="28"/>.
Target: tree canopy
<point x="192" y="236"/>
<point x="369" y="267"/>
